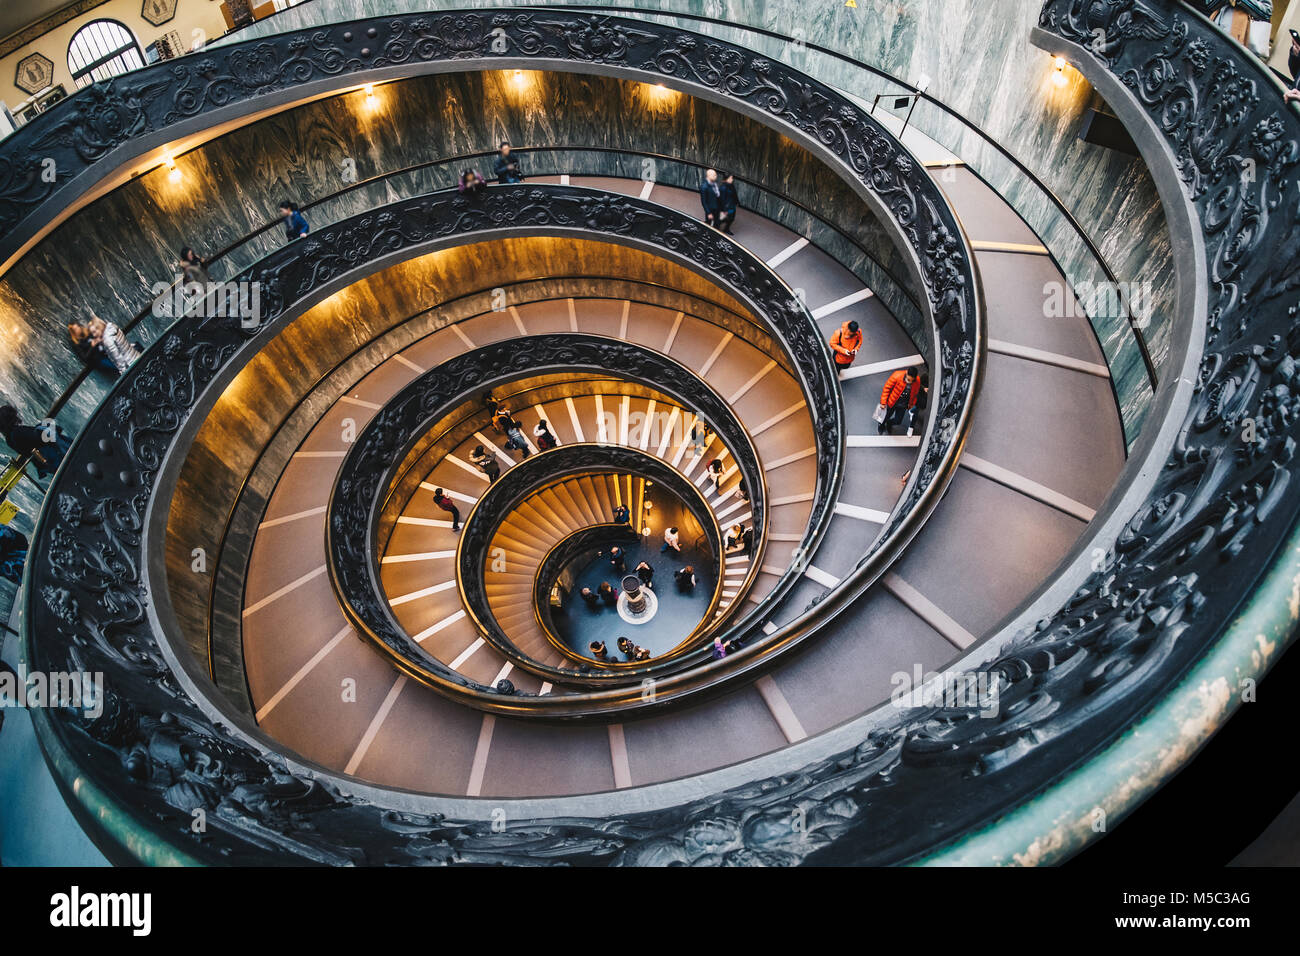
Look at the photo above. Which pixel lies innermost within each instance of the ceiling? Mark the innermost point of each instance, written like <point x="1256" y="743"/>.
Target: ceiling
<point x="17" y="14"/>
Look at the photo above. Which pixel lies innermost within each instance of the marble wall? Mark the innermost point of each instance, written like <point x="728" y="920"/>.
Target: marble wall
<point x="981" y="63"/>
<point x="106" y="258"/>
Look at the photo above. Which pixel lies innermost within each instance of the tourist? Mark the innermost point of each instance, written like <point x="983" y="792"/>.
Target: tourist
<point x="626" y="648"/>
<point x="295" y="223"/>
<point x="545" y="439"/>
<point x="639" y="653"/>
<point x="471" y="184"/>
<point x="441" y="499"/>
<point x="899" y="394"/>
<point x="711" y="197"/>
<point x="671" y="542"/>
<point x="90" y="353"/>
<point x="685" y="578"/>
<point x="193" y="268"/>
<point x="646" y="574"/>
<point x="110" y="338"/>
<point x="845" y="344"/>
<point x="589" y="596"/>
<point x="515" y="440"/>
<point x="715" y="474"/>
<point x="598" y="651"/>
<point x="47" y="444"/>
<point x="617" y="560"/>
<point x="1293" y="64"/>
<point x="485" y="463"/>
<point x="735" y="540"/>
<point x="719" y="650"/>
<point x="607" y="593"/>
<point x="742" y="490"/>
<point x="700" y="433"/>
<point x="916" y="415"/>
<point x="729" y="199"/>
<point x="507" y="167"/>
<point x="622" y="515"/>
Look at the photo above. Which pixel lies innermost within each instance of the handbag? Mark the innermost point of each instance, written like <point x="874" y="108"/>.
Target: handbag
<point x="880" y="414"/>
<point x="1260" y="36"/>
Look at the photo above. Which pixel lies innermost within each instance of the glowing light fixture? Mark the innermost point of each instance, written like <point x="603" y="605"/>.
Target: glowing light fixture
<point x="1058" y="74"/>
<point x="174" y="173"/>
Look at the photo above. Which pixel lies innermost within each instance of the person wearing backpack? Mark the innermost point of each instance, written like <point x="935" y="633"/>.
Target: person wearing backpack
<point x="545" y="439"/>
<point x="845" y="344"/>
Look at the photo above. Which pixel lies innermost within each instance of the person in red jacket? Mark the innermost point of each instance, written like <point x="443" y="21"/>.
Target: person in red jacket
<point x="845" y="344"/>
<point x="443" y="501"/>
<point x="899" y="394"/>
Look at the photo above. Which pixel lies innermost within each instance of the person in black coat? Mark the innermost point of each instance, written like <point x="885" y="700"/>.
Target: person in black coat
<point x="47" y="447"/>
<point x="646" y="574"/>
<point x="507" y="167"/>
<point x="711" y="197"/>
<point x="617" y="561"/>
<point x="685" y="578"/>
<point x="729" y="199"/>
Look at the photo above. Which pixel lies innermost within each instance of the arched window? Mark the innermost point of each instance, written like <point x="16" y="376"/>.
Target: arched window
<point x="100" y="49"/>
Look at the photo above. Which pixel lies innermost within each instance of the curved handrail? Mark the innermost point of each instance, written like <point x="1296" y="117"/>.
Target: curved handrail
<point x="806" y="43"/>
<point x="532" y="476"/>
<point x="550" y="567"/>
<point x="1204" y="529"/>
<point x="102" y="508"/>
<point x="88" y="369"/>
<point x="394" y="442"/>
<point x="220" y="551"/>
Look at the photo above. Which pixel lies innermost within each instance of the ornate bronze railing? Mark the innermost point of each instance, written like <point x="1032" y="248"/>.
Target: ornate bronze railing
<point x="553" y="566"/>
<point x="94" y="592"/>
<point x="391" y="444"/>
<point x="531" y="476"/>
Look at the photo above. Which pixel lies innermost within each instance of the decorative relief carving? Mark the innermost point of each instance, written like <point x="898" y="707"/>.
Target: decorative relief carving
<point x="87" y="597"/>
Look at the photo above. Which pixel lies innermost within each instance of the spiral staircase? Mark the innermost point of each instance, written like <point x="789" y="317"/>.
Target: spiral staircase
<point x="350" y="680"/>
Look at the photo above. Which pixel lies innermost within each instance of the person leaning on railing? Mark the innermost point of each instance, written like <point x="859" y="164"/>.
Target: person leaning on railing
<point x="92" y="354"/>
<point x="108" y="336"/>
<point x="193" y="267"/>
<point x="295" y="223"/>
<point x="507" y="167"/>
<point x="470" y="184"/>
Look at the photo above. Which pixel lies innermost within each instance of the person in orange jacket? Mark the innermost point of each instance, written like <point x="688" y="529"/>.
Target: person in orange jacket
<point x="899" y="394"/>
<point x="845" y="344"/>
